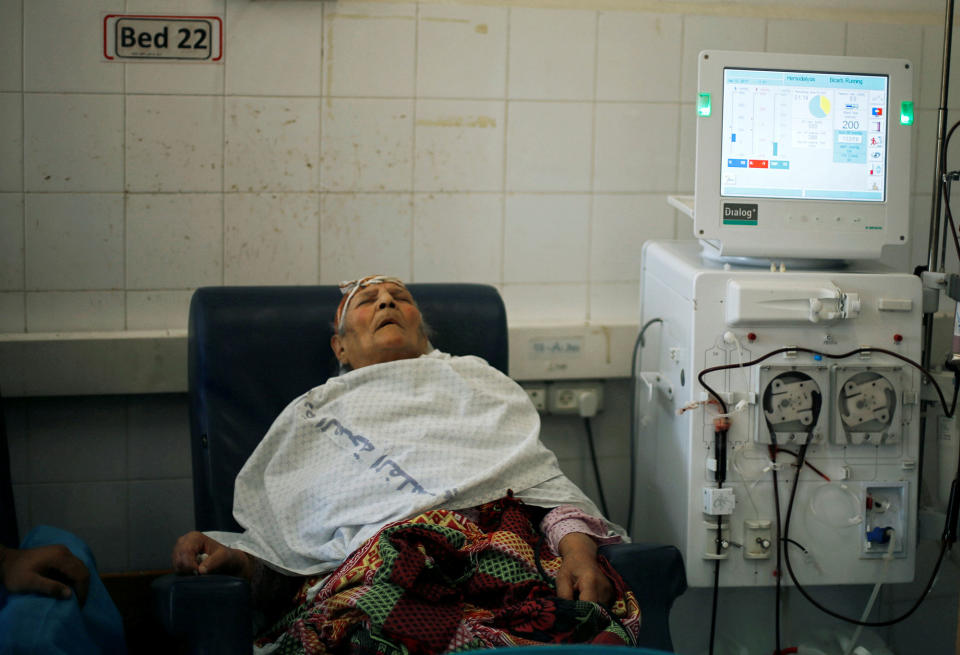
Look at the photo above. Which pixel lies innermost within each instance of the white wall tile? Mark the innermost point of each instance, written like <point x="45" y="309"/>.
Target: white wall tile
<point x="812" y="37"/>
<point x="363" y="234"/>
<point x="74" y="241"/>
<point x="621" y="223"/>
<point x="158" y="442"/>
<point x="273" y="49"/>
<point x="11" y="245"/>
<point x="925" y="147"/>
<point x="639" y="56"/>
<point x="882" y="40"/>
<point x="59" y="311"/>
<point x="160" y="512"/>
<point x="174" y="143"/>
<point x="546" y="238"/>
<point x="636" y="147"/>
<point x="369" y="49"/>
<point x="63" y="49"/>
<point x="11" y="142"/>
<point x="272" y="144"/>
<point x="552" y="54"/>
<point x="271" y="238"/>
<point x="548" y="146"/>
<point x="457" y="237"/>
<point x="459" y="145"/>
<point x="367" y="144"/>
<point x="174" y="241"/>
<point x="13" y="316"/>
<point x="543" y="304"/>
<point x="73" y="142"/>
<point x="615" y="302"/>
<point x="687" y="150"/>
<point x="715" y="33"/>
<point x="929" y="70"/>
<point x="94" y="511"/>
<point x="77" y="439"/>
<point x="175" y="79"/>
<point x="461" y="52"/>
<point x="182" y="6"/>
<point x="11" y="62"/>
<point x="155" y="310"/>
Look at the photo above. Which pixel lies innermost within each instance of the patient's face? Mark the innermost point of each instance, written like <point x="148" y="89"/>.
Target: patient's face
<point x="382" y="324"/>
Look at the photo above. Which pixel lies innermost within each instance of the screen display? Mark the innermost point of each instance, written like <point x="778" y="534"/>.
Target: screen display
<point x="799" y="134"/>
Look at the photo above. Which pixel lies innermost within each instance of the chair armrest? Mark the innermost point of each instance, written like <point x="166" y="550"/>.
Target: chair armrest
<point x="210" y="613"/>
<point x="656" y="575"/>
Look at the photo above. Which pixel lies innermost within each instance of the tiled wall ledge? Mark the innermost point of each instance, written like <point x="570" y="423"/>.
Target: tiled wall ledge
<point x="93" y="363"/>
<point x="155" y="361"/>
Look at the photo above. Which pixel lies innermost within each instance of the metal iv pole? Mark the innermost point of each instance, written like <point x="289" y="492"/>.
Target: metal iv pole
<point x="936" y="258"/>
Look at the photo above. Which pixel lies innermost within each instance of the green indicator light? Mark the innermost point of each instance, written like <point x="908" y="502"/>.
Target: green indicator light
<point x="703" y="104"/>
<point x="906" y="112"/>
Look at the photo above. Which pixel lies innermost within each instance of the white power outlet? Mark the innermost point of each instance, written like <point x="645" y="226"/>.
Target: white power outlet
<point x="538" y="396"/>
<point x="584" y="398"/>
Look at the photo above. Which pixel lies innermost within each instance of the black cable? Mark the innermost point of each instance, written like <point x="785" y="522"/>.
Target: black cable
<point x="948" y="412"/>
<point x="719" y="442"/>
<point x="716" y="585"/>
<point x="637" y="344"/>
<point x="596" y="468"/>
<point x="945" y="192"/>
<point x="779" y="572"/>
<point x="806" y="594"/>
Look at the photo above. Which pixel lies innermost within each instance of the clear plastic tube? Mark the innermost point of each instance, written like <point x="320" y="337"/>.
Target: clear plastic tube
<point x="873" y="596"/>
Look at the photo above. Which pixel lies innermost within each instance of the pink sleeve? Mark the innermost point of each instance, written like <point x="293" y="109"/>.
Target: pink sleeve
<point x="562" y="520"/>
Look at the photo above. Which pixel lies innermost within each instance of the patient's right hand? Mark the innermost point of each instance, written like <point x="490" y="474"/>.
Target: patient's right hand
<point x="218" y="558"/>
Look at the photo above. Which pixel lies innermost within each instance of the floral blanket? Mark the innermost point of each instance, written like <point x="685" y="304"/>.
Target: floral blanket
<point x="440" y="583"/>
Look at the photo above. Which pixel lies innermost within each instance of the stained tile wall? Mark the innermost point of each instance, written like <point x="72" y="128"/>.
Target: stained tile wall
<point x="338" y="138"/>
<point x="527" y="147"/>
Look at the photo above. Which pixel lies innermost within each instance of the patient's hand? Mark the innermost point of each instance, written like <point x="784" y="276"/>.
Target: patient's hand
<point x="197" y="553"/>
<point x="580" y="576"/>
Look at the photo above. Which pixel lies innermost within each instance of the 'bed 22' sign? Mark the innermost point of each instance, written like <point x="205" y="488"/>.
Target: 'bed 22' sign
<point x="197" y="38"/>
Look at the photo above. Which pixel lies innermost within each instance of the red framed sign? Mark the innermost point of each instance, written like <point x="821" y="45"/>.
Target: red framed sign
<point x="146" y="37"/>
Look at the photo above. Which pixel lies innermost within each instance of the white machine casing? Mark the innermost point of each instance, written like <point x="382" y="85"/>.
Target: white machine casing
<point x="803" y="228"/>
<point x="873" y="471"/>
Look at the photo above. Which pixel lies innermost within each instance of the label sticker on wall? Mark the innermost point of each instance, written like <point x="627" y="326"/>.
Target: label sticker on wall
<point x="552" y="348"/>
<point x="148" y="37"/>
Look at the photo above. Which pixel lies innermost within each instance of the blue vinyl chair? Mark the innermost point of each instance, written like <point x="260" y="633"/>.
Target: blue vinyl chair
<point x="251" y="351"/>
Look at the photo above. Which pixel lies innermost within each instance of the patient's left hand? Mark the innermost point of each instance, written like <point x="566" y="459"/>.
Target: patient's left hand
<point x="580" y="576"/>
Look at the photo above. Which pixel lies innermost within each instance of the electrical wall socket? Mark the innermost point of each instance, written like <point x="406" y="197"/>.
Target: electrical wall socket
<point x="584" y="398"/>
<point x="538" y="396"/>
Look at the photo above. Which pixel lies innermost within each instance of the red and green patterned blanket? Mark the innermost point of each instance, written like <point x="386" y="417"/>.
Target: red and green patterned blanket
<point x="440" y="583"/>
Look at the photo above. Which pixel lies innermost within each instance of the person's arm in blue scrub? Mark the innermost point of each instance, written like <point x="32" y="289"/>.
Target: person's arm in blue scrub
<point x="48" y="570"/>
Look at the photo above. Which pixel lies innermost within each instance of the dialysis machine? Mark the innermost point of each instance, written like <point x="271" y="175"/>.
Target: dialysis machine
<point x="803" y="175"/>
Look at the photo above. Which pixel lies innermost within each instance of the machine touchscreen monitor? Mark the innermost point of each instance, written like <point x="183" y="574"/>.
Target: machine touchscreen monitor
<point x="802" y="156"/>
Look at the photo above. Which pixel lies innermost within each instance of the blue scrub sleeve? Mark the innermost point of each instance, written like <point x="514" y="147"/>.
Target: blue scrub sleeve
<point x="32" y="623"/>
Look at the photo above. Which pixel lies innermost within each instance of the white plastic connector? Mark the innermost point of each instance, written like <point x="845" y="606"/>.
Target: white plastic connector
<point x="718" y="502"/>
<point x="588" y="402"/>
<point x="584" y="398"/>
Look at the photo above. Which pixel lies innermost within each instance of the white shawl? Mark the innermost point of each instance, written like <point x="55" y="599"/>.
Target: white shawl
<point x="384" y="443"/>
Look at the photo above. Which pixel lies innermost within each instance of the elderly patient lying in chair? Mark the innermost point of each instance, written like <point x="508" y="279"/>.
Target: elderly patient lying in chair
<point x="409" y="504"/>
